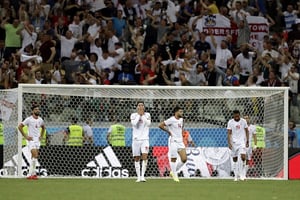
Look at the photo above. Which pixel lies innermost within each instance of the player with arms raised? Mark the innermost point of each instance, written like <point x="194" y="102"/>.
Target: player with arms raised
<point x="140" y="121"/>
<point x="252" y="134"/>
<point x="238" y="141"/>
<point x="36" y="131"/>
<point x="174" y="127"/>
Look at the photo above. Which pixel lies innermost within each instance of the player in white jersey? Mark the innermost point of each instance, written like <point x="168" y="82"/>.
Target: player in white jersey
<point x="238" y="141"/>
<point x="36" y="131"/>
<point x="140" y="121"/>
<point x="252" y="134"/>
<point x="174" y="127"/>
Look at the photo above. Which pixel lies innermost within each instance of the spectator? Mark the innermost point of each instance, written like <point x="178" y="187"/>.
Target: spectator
<point x="57" y="75"/>
<point x="201" y="45"/>
<point x="183" y="81"/>
<point x="210" y="7"/>
<point x="223" y="57"/>
<point x="195" y="75"/>
<point x="244" y="62"/>
<point x="38" y="77"/>
<point x="230" y="79"/>
<point x="28" y="35"/>
<point x="109" y="10"/>
<point x="12" y="39"/>
<point x="112" y="39"/>
<point x="71" y="67"/>
<point x="108" y="64"/>
<point x="272" y="81"/>
<point x="211" y="74"/>
<point x="67" y="43"/>
<point x="290" y="16"/>
<point x="292" y="78"/>
<point x="258" y="74"/>
<point x="47" y="52"/>
<point x="293" y="139"/>
<point x="119" y="52"/>
<point x="4" y="75"/>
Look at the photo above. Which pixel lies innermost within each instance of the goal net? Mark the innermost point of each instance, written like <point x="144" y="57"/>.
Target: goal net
<point x="206" y="113"/>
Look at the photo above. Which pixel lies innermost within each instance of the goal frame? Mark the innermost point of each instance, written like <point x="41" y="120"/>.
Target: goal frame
<point x="22" y="87"/>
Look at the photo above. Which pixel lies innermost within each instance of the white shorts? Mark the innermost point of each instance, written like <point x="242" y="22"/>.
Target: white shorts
<point x="33" y="145"/>
<point x="238" y="149"/>
<point x="140" y="146"/>
<point x="174" y="148"/>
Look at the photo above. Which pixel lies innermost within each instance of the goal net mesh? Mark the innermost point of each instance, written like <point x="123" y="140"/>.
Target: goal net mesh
<point x="206" y="113"/>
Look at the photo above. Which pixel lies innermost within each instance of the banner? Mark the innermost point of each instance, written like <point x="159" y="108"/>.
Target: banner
<point x="117" y="162"/>
<point x="220" y="26"/>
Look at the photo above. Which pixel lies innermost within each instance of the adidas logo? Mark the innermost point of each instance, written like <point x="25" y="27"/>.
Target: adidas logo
<point x="100" y="168"/>
<point x="11" y="166"/>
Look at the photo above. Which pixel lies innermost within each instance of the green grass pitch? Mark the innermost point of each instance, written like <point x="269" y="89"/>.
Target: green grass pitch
<point x="153" y="189"/>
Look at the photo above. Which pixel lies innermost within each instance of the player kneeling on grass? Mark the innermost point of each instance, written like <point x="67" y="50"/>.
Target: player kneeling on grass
<point x="36" y="131"/>
<point x="174" y="126"/>
<point x="238" y="141"/>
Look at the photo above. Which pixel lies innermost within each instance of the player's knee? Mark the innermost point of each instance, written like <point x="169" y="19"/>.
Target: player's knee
<point x="136" y="158"/>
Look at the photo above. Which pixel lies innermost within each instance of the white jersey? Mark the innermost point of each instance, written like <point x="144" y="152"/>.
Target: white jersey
<point x="140" y="126"/>
<point x="252" y="131"/>
<point x="175" y="127"/>
<point x="238" y="135"/>
<point x="34" y="126"/>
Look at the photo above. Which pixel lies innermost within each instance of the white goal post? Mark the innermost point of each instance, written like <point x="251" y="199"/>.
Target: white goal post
<point x="206" y="113"/>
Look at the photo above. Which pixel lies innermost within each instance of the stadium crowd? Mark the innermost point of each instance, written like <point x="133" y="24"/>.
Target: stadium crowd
<point x="147" y="43"/>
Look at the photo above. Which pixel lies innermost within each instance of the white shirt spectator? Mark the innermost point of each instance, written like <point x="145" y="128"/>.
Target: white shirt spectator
<point x="96" y="50"/>
<point x="284" y="69"/>
<point x="28" y="38"/>
<point x="245" y="63"/>
<point x="274" y="54"/>
<point x="56" y="74"/>
<point x="171" y="11"/>
<point x="107" y="63"/>
<point x="222" y="56"/>
<point x="111" y="43"/>
<point x="93" y="30"/>
<point x="67" y="46"/>
<point x="76" y="29"/>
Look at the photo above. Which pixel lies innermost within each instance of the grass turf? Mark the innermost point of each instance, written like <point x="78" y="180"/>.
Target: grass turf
<point x="123" y="189"/>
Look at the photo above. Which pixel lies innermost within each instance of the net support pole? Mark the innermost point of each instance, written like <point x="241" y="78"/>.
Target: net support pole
<point x="285" y="137"/>
<point x="19" y="144"/>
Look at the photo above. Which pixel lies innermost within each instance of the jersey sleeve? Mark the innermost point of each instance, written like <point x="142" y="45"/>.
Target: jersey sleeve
<point x="229" y="125"/>
<point x="148" y="119"/>
<point x="168" y="122"/>
<point x="25" y="122"/>
<point x="134" y="118"/>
